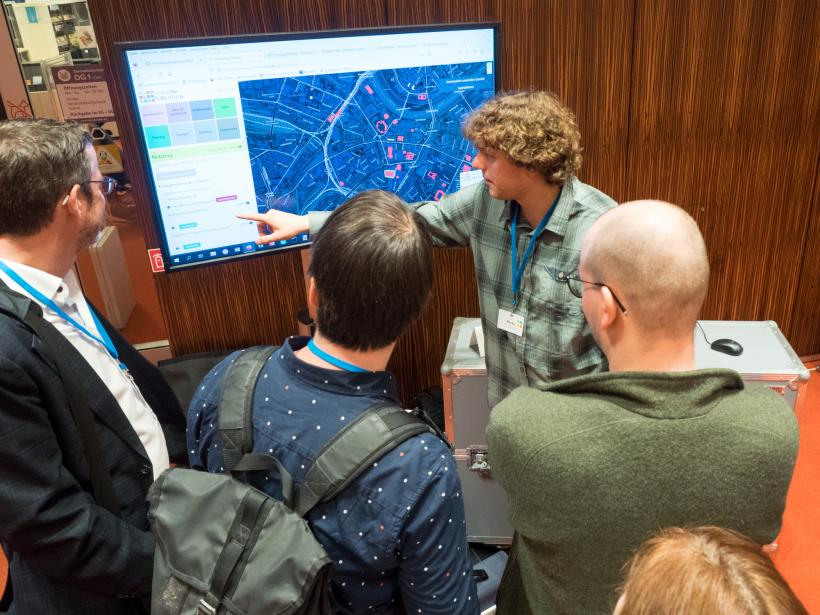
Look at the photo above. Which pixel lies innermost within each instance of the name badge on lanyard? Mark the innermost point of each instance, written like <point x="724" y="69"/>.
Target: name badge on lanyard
<point x="511" y="323"/>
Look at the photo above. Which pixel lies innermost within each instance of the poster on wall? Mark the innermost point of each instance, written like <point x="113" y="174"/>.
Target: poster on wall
<point x="83" y="93"/>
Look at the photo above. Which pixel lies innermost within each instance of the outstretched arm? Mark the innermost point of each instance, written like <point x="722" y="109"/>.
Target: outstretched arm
<point x="275" y="225"/>
<point x="450" y="220"/>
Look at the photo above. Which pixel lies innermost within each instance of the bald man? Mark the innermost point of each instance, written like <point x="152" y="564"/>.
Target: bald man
<point x="594" y="465"/>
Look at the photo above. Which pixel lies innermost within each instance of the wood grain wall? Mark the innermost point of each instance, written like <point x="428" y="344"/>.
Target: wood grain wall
<point x="710" y="105"/>
<point x="724" y="122"/>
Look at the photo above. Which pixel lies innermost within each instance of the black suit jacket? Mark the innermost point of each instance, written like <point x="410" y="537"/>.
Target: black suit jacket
<point x="69" y="554"/>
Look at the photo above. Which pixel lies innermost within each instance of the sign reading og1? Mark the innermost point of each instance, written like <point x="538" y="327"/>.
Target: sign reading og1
<point x="83" y="93"/>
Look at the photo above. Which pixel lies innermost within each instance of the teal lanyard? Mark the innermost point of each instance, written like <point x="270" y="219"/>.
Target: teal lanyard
<point x="334" y="360"/>
<point x="518" y="269"/>
<point x="103" y="337"/>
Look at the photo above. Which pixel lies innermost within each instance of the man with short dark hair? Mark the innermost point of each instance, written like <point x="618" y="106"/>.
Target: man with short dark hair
<point x="69" y="552"/>
<point x="396" y="535"/>
<point x="594" y="465"/>
<point x="524" y="223"/>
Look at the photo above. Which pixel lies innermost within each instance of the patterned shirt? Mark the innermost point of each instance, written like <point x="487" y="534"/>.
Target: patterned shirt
<point x="398" y="532"/>
<point x="557" y="342"/>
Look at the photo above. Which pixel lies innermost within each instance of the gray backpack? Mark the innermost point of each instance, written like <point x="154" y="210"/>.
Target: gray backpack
<point x="224" y="546"/>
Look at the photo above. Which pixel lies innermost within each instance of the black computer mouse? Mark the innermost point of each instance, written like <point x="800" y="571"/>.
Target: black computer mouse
<point x="727" y="346"/>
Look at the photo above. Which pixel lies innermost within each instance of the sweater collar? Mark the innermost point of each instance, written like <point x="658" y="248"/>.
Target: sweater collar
<point x="662" y="395"/>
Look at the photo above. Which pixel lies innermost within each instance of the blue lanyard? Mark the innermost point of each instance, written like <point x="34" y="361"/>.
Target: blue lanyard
<point x="518" y="269"/>
<point x="334" y="360"/>
<point x="103" y="338"/>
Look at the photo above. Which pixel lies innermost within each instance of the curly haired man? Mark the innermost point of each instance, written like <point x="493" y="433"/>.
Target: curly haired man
<point x="524" y="222"/>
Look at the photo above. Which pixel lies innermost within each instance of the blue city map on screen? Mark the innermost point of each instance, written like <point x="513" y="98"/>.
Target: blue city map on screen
<point x="316" y="140"/>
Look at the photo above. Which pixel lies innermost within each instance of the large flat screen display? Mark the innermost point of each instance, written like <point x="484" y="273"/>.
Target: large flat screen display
<point x="301" y="123"/>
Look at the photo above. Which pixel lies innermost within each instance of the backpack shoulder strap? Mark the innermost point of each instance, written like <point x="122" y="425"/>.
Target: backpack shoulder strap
<point x="236" y="403"/>
<point x="375" y="432"/>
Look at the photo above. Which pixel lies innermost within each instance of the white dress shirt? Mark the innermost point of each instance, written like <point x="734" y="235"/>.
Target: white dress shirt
<point x="66" y="293"/>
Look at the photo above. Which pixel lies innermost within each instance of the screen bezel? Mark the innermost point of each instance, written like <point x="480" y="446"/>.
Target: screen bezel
<point x="125" y="46"/>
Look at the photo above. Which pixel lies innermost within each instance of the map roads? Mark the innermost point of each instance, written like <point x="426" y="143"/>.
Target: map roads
<point x="316" y="140"/>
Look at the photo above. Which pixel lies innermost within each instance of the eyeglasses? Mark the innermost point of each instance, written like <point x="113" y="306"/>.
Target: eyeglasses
<point x="108" y="185"/>
<point x="576" y="285"/>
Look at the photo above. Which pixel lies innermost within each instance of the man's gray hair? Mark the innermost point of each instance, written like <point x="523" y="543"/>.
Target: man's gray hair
<point x="40" y="161"/>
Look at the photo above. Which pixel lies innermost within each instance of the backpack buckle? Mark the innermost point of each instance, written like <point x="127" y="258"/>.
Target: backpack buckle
<point x="203" y="608"/>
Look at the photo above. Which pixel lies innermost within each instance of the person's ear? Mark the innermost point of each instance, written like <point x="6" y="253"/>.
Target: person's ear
<point x="608" y="309"/>
<point x="74" y="202"/>
<point x="313" y="299"/>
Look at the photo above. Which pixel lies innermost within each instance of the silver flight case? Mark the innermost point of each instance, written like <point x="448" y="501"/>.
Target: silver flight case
<point x="767" y="360"/>
<point x="466" y="412"/>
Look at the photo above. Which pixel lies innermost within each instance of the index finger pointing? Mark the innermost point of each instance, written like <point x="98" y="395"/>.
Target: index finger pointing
<point x="252" y="216"/>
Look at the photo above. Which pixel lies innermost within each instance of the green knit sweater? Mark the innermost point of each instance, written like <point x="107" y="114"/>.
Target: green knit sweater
<point x="596" y="464"/>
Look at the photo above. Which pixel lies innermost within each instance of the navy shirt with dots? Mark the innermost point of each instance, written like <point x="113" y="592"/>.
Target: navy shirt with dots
<point x="395" y="535"/>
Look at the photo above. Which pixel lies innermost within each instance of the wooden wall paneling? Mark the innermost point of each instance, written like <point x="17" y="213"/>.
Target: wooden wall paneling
<point x="242" y="303"/>
<point x="805" y="329"/>
<point x="582" y="51"/>
<point x="724" y="122"/>
<point x="403" y="13"/>
<point x="805" y="332"/>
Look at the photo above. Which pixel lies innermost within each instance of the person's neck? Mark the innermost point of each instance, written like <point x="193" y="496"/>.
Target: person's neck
<point x="666" y="355"/>
<point x="46" y="251"/>
<point x="537" y="200"/>
<point x="371" y="360"/>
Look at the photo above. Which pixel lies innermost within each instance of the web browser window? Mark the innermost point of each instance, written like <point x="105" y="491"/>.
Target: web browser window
<point x="301" y="125"/>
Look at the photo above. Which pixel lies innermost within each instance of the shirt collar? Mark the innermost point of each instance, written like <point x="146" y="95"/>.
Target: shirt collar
<point x="44" y="282"/>
<point x="504" y="211"/>
<point x="560" y="217"/>
<point x="362" y="384"/>
<point x="566" y="205"/>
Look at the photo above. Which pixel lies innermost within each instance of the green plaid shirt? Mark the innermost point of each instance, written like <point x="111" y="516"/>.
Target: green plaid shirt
<point x="557" y="342"/>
